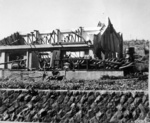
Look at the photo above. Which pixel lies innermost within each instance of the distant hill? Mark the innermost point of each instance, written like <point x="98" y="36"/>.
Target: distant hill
<point x="138" y="44"/>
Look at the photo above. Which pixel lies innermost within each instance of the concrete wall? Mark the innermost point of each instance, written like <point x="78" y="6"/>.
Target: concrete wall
<point x="90" y="75"/>
<point x="87" y="75"/>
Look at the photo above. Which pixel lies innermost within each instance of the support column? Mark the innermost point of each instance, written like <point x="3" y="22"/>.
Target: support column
<point x="2" y="59"/>
<point x="7" y="60"/>
<point x="27" y="57"/>
<point x="51" y="61"/>
<point x="30" y="60"/>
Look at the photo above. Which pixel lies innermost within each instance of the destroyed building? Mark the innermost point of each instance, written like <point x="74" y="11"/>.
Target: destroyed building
<point x="101" y="42"/>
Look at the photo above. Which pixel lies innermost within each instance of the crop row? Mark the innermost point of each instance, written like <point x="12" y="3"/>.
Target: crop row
<point x="129" y="84"/>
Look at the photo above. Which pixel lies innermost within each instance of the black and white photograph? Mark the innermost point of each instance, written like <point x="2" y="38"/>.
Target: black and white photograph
<point x="74" y="61"/>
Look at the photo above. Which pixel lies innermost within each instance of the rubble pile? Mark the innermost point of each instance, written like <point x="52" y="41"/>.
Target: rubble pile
<point x="74" y="106"/>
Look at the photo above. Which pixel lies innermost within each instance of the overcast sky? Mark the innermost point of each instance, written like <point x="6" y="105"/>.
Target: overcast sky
<point x="131" y="17"/>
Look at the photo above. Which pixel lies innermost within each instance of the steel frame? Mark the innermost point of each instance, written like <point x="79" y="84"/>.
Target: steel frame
<point x="55" y="37"/>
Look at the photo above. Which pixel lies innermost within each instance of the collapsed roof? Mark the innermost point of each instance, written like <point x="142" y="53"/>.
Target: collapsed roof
<point x="14" y="39"/>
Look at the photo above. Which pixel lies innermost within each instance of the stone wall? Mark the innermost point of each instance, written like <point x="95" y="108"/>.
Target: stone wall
<point x="73" y="106"/>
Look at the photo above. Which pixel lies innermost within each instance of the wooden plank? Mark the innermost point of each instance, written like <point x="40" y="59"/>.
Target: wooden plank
<point x="12" y="61"/>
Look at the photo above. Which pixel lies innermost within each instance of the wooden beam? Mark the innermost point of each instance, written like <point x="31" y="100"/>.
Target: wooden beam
<point x="45" y="47"/>
<point x="9" y="62"/>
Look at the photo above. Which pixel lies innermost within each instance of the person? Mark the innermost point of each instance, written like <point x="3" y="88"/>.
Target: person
<point x="129" y="59"/>
<point x="128" y="64"/>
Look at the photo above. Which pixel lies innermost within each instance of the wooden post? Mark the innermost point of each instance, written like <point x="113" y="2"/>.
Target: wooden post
<point x="27" y="38"/>
<point x="75" y="37"/>
<point x="78" y="34"/>
<point x="32" y="34"/>
<point x="81" y="33"/>
<point x="58" y="36"/>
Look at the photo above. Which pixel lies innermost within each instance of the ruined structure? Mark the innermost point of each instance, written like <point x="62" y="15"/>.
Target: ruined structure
<point x="109" y="42"/>
<point x="102" y="43"/>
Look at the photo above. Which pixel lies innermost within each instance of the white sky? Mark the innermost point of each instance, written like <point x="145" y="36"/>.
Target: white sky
<point x="131" y="17"/>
